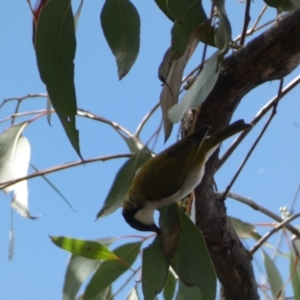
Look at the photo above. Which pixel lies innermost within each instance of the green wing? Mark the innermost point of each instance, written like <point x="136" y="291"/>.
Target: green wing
<point x="163" y="175"/>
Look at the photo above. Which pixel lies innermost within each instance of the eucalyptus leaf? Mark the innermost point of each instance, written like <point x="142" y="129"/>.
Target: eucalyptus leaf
<point x="170" y="286"/>
<point x="154" y="270"/>
<point x="184" y="247"/>
<point x="87" y="249"/>
<point x="14" y="162"/>
<point x="274" y="276"/>
<point x="189" y="16"/>
<point x="122" y="183"/>
<point x="199" y="90"/>
<point x="223" y="32"/>
<point x="120" y="22"/>
<point x="109" y="271"/>
<point x="78" y="270"/>
<point x="55" y="46"/>
<point x="295" y="271"/>
<point x="188" y="292"/>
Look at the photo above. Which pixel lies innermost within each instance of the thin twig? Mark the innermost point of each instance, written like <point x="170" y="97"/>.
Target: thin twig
<point x="145" y="119"/>
<point x="247" y="19"/>
<point x="270" y="233"/>
<point x="41" y="95"/>
<point x="124" y="284"/>
<point x="273" y="113"/>
<point x="27" y="113"/>
<point x="261" y="113"/>
<point x="262" y="209"/>
<point x="63" y="167"/>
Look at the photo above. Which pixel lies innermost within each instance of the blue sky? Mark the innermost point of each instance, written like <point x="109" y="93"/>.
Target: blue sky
<point x="37" y="270"/>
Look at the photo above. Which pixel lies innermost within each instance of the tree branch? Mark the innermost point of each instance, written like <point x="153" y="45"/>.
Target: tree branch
<point x="272" y="55"/>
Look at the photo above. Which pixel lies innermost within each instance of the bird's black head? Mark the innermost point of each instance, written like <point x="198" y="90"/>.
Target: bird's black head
<point x="134" y="223"/>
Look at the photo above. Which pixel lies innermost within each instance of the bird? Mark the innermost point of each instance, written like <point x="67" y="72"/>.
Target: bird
<point x="172" y="174"/>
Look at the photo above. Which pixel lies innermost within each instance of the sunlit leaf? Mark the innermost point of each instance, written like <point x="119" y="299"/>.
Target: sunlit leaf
<point x="184" y="247"/>
<point x="199" y="91"/>
<point x="170" y="285"/>
<point x="20" y="189"/>
<point x="55" y="46"/>
<point x="122" y="182"/>
<point x="14" y="162"/>
<point x="274" y="276"/>
<point x="120" y="22"/>
<point x="109" y="271"/>
<point x="154" y="270"/>
<point x="87" y="249"/>
<point x="78" y="270"/>
<point x="133" y="294"/>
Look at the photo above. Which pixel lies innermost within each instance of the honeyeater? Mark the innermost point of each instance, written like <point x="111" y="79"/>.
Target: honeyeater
<point x="172" y="174"/>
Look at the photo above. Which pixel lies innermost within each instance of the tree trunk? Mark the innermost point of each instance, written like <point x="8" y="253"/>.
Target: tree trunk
<point x="272" y="55"/>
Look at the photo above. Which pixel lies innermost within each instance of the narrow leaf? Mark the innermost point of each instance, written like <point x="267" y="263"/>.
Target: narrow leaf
<point x="78" y="270"/>
<point x="172" y="79"/>
<point x="274" y="276"/>
<point x="162" y="4"/>
<point x="14" y="162"/>
<point x="170" y="285"/>
<point x="295" y="271"/>
<point x="199" y="91"/>
<point x="133" y="294"/>
<point x="185" y="248"/>
<point x="243" y="229"/>
<point x="223" y="32"/>
<point x="55" y="46"/>
<point x="20" y="189"/>
<point x="122" y="182"/>
<point x="188" y="292"/>
<point x="120" y="22"/>
<point x="109" y="271"/>
<point x="154" y="270"/>
<point x="87" y="249"/>
<point x="55" y="189"/>
<point x="189" y="15"/>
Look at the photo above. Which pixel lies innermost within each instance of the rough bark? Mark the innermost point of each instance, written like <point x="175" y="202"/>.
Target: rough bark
<point x="271" y="56"/>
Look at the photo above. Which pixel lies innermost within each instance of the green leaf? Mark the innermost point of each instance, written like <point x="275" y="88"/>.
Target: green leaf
<point x="185" y="248"/>
<point x="122" y="182"/>
<point x="274" y="277"/>
<point x="188" y="292"/>
<point x="87" y="249"/>
<point x="170" y="285"/>
<point x="55" y="46"/>
<point x="181" y="33"/>
<point x="78" y="270"/>
<point x="243" y="229"/>
<point x="109" y="271"/>
<point x="189" y="15"/>
<point x="120" y="22"/>
<point x="154" y="270"/>
<point x="295" y="271"/>
<point x="199" y="91"/>
<point x="162" y="4"/>
<point x="223" y="32"/>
